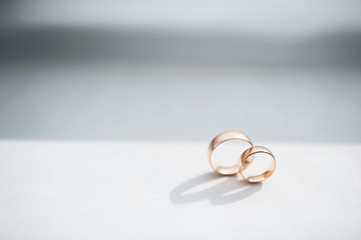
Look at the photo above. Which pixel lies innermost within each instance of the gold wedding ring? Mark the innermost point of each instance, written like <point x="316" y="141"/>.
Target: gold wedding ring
<point x="226" y="136"/>
<point x="246" y="159"/>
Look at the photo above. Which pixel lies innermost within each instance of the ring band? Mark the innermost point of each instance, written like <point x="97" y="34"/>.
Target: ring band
<point x="248" y="156"/>
<point x="225" y="136"/>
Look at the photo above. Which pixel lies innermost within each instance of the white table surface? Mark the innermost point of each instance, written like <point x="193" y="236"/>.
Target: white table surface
<point x="111" y="190"/>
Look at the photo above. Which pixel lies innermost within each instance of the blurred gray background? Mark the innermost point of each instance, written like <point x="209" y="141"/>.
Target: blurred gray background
<point x="281" y="71"/>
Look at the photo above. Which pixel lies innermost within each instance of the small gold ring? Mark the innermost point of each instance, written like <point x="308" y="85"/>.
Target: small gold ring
<point x="248" y="156"/>
<point x="226" y="136"/>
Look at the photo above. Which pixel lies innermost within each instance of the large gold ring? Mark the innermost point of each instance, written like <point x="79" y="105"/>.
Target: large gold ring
<point x="226" y="136"/>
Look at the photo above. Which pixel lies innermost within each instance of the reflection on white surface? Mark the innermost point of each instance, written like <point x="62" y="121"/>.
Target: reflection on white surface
<point x="227" y="190"/>
<point x="109" y="190"/>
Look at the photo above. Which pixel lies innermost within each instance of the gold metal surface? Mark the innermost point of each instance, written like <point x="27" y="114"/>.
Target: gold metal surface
<point x="226" y="136"/>
<point x="248" y="156"/>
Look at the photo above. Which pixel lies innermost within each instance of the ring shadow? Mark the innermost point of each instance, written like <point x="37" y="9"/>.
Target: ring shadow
<point x="228" y="191"/>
